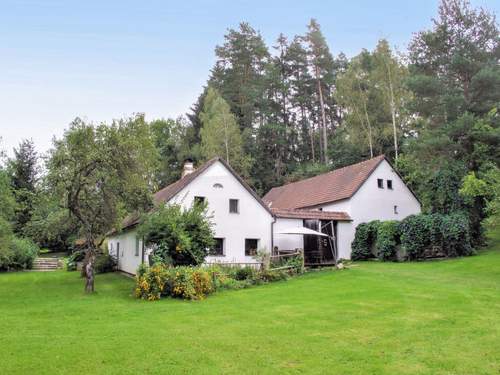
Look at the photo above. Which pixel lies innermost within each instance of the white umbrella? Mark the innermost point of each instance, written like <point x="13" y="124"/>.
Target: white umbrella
<point x="302" y="230"/>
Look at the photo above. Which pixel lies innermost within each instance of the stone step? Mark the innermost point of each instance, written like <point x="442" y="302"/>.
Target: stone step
<point x="46" y="264"/>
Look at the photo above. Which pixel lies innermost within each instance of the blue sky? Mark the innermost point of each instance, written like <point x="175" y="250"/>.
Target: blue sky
<point x="106" y="59"/>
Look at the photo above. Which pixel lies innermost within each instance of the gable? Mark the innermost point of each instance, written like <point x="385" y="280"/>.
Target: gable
<point x="385" y="171"/>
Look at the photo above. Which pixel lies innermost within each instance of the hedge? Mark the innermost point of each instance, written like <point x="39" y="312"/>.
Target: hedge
<point x="416" y="237"/>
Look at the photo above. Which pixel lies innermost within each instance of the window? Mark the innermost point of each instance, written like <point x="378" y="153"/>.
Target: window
<point x="199" y="200"/>
<point x="380" y="183"/>
<point x="233" y="206"/>
<point x="136" y="246"/>
<point x="118" y="250"/>
<point x="218" y="186"/>
<point x="396" y="210"/>
<point x="251" y="245"/>
<point x="218" y="248"/>
<point x="389" y="184"/>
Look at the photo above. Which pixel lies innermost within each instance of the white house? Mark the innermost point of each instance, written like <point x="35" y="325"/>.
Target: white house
<point x="242" y="221"/>
<point x="333" y="203"/>
<point x="337" y="202"/>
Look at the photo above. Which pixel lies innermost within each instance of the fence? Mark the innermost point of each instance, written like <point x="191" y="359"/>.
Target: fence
<point x="287" y="260"/>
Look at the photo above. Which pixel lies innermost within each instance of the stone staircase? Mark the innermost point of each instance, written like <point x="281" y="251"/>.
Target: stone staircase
<point x="46" y="264"/>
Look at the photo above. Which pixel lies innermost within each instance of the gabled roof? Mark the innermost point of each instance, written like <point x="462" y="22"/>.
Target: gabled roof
<point x="168" y="192"/>
<point x="311" y="214"/>
<point x="330" y="187"/>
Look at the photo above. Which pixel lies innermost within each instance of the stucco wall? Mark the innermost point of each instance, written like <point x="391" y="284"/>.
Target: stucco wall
<point x="127" y="260"/>
<point x="372" y="203"/>
<point x="252" y="221"/>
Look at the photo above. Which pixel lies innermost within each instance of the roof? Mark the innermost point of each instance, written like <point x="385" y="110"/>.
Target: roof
<point x="329" y="187"/>
<point x="311" y="214"/>
<point x="168" y="192"/>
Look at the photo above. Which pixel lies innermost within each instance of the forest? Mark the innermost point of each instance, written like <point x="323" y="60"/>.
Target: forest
<point x="282" y="112"/>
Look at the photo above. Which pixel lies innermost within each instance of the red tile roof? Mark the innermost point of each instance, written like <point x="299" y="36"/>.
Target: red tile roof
<point x="329" y="187"/>
<point x="311" y="214"/>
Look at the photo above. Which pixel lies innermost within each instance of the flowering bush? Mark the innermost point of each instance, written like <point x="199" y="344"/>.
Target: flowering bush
<point x="181" y="282"/>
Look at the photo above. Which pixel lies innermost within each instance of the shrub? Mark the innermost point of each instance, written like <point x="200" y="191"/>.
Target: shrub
<point x="387" y="239"/>
<point x="364" y="240"/>
<point x="435" y="234"/>
<point x="179" y="236"/>
<point x="104" y="263"/>
<point x="18" y="253"/>
<point x="150" y="284"/>
<point x="245" y="273"/>
<point x="415" y="235"/>
<point x="273" y="275"/>
<point x="456" y="238"/>
<point x="191" y="283"/>
<point x="73" y="259"/>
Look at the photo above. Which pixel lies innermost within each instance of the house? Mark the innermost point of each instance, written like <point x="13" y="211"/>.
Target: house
<point x="335" y="203"/>
<point x="242" y="221"/>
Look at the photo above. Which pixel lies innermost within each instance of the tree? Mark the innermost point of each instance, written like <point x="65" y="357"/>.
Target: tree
<point x="389" y="76"/>
<point x="175" y="141"/>
<point x="220" y="135"/>
<point x="179" y="236"/>
<point x="454" y="66"/>
<point x="323" y="66"/>
<point x="101" y="172"/>
<point x="24" y="175"/>
<point x="239" y="74"/>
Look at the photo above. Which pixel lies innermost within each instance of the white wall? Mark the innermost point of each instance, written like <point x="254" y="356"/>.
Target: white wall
<point x="372" y="203"/>
<point x="252" y="221"/>
<point x="288" y="241"/>
<point x="127" y="260"/>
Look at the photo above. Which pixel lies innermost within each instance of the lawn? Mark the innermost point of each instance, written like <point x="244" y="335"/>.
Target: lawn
<point x="376" y="318"/>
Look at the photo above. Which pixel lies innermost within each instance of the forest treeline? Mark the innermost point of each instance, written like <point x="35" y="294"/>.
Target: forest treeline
<point x="294" y="109"/>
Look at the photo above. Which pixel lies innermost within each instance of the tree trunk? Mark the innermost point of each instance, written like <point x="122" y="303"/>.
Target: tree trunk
<point x="323" y="118"/>
<point x="393" y="112"/>
<point x="368" y="123"/>
<point x="89" y="272"/>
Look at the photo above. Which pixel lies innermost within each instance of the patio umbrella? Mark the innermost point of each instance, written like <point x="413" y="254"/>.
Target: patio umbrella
<point x="302" y="230"/>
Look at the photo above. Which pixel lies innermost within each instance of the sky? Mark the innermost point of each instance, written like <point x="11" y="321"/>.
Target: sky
<point x="107" y="59"/>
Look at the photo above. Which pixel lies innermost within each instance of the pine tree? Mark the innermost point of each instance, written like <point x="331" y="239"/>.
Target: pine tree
<point x="24" y="174"/>
<point x="322" y="64"/>
<point x="220" y="134"/>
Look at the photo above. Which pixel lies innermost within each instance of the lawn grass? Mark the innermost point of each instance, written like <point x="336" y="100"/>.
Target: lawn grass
<point x="376" y="318"/>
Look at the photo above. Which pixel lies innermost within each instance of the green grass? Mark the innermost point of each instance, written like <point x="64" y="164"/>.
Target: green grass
<point x="375" y="318"/>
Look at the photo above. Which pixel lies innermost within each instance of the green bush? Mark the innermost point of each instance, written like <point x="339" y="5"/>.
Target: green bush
<point x="180" y="236"/>
<point x="192" y="283"/>
<point x="428" y="235"/>
<point x="387" y="240"/>
<point x="456" y="238"/>
<point x="17" y="253"/>
<point x="74" y="258"/>
<point x="273" y="275"/>
<point x="104" y="263"/>
<point x="364" y="240"/>
<point x="245" y="273"/>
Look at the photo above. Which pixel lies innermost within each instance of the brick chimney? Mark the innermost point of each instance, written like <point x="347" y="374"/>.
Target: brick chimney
<point x="188" y="168"/>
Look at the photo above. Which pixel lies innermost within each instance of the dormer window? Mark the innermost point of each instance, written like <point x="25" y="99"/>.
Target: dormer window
<point x="380" y="183"/>
<point x="389" y="184"/>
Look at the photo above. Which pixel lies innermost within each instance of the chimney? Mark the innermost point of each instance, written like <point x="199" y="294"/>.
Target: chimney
<point x="188" y="168"/>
